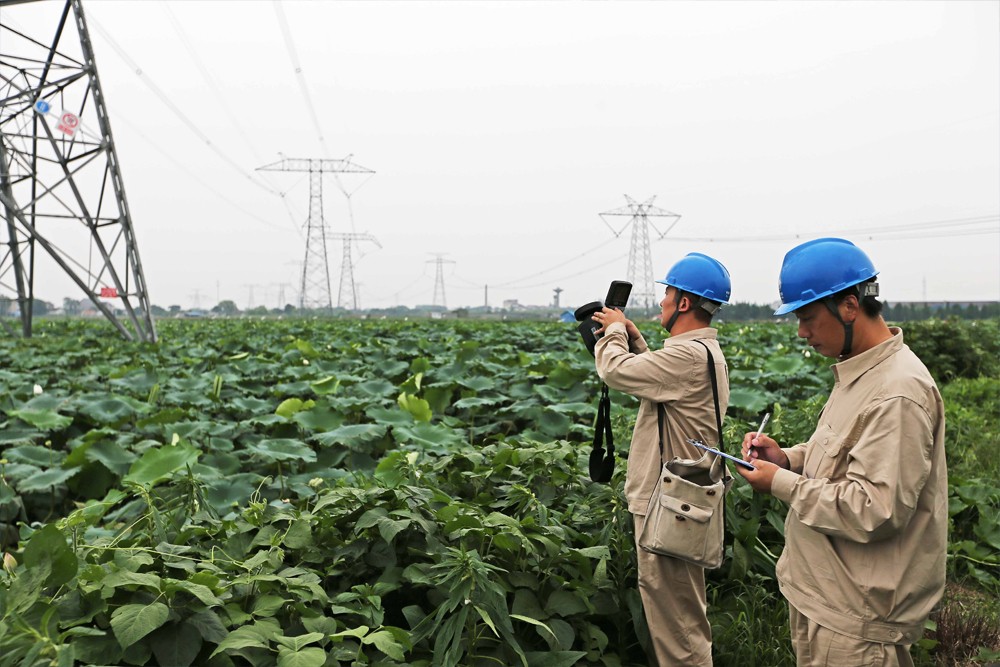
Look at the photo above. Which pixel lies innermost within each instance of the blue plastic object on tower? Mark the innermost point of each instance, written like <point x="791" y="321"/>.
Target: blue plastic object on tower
<point x="819" y="268"/>
<point x="700" y="274"/>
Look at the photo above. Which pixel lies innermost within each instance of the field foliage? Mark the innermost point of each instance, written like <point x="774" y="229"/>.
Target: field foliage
<point x="308" y="493"/>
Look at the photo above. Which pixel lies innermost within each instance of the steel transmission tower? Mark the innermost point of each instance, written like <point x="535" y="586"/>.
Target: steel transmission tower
<point x="61" y="186"/>
<point x="348" y="295"/>
<point x="640" y="262"/>
<point x="440" y="261"/>
<point x="315" y="291"/>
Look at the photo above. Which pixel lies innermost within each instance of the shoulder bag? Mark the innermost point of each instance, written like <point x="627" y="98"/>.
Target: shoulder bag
<point x="684" y="518"/>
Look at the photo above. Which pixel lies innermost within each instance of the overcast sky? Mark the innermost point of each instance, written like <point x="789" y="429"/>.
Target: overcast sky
<point x="500" y="131"/>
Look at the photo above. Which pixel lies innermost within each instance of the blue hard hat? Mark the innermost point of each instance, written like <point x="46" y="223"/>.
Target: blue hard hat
<point x="700" y="274"/>
<point x="819" y="268"/>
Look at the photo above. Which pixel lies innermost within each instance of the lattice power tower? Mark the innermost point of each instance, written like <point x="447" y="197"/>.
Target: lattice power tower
<point x="640" y="263"/>
<point x="315" y="289"/>
<point x="61" y="186"/>
<point x="439" y="262"/>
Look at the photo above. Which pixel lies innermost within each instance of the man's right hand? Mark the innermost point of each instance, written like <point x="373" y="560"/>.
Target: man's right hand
<point x="763" y="448"/>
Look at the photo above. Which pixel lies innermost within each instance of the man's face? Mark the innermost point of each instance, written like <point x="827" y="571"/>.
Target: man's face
<point x="668" y="305"/>
<point x="820" y="329"/>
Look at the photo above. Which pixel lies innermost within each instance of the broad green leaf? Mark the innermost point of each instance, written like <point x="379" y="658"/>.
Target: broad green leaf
<point x="290" y="406"/>
<point x="283" y="449"/>
<point x="107" y="410"/>
<point x="749" y="400"/>
<point x="132" y="622"/>
<point x="257" y="635"/>
<point x="785" y="365"/>
<point x="111" y="455"/>
<point x="49" y="546"/>
<point x="353" y="435"/>
<point x="328" y="385"/>
<point x="46" y="420"/>
<point x="477" y="383"/>
<point x="385" y="642"/>
<point x="318" y="419"/>
<point x="177" y="644"/>
<point x="418" y="407"/>
<point x="36" y="455"/>
<point x="298" y="642"/>
<point x="204" y="594"/>
<point x="267" y="605"/>
<point x="307" y="657"/>
<point x="433" y="437"/>
<point x="46" y="479"/>
<point x="161" y="462"/>
<point x="565" y="604"/>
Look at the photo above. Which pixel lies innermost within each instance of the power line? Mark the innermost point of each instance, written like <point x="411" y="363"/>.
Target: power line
<point x="866" y="232"/>
<point x="176" y="110"/>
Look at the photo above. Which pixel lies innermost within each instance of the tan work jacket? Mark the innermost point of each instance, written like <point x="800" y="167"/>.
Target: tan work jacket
<point x="866" y="532"/>
<point x="676" y="376"/>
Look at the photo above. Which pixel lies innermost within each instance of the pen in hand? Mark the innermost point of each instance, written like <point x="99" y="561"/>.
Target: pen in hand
<point x="760" y="429"/>
<point x="763" y="423"/>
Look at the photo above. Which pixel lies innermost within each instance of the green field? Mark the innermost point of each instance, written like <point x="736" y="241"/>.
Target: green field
<point x="319" y="492"/>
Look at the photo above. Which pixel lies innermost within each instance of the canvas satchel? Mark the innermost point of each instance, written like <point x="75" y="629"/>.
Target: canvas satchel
<point x="685" y="514"/>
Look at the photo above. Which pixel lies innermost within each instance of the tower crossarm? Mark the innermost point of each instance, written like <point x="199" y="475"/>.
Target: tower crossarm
<point x="344" y="166"/>
<point x="643" y="210"/>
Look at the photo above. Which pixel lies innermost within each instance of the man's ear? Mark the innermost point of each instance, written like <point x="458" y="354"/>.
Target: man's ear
<point x="849" y="308"/>
<point x="684" y="305"/>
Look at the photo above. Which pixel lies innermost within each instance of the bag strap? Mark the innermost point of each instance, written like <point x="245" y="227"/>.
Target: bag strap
<point x="661" y="411"/>
<point x="715" y="392"/>
<point x="602" y="466"/>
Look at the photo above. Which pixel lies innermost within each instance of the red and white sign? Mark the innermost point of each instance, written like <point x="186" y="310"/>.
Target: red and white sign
<point x="109" y="293"/>
<point x="68" y="123"/>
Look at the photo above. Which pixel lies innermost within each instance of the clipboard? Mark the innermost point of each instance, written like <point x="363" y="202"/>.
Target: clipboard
<point x="739" y="462"/>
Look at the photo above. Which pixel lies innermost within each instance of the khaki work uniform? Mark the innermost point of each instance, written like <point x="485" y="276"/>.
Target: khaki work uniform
<point x="866" y="532"/>
<point x="672" y="590"/>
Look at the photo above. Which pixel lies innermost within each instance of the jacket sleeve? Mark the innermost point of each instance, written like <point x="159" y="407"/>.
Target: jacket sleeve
<point x="652" y="375"/>
<point x="887" y="468"/>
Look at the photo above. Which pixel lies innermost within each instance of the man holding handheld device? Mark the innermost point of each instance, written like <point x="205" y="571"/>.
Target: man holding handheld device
<point x="866" y="531"/>
<point x="672" y="590"/>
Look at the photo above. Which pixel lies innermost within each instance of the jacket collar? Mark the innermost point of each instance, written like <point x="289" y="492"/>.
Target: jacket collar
<point x="694" y="334"/>
<point x="846" y="372"/>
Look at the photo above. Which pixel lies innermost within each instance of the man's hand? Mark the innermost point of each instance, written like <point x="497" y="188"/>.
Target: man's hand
<point x="763" y="448"/>
<point x="766" y="456"/>
<point x="761" y="478"/>
<point x="606" y="316"/>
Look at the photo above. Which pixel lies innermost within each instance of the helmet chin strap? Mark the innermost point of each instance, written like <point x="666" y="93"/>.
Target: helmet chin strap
<point x="677" y="312"/>
<point x="848" y="327"/>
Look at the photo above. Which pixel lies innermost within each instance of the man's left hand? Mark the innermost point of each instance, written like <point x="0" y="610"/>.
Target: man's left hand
<point x="761" y="478"/>
<point x="606" y="316"/>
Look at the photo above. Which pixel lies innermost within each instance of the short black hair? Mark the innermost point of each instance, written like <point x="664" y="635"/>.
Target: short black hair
<point x="871" y="306"/>
<point x="700" y="313"/>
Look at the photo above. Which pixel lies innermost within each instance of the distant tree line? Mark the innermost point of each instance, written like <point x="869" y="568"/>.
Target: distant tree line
<point x="892" y="312"/>
<point x="734" y="312"/>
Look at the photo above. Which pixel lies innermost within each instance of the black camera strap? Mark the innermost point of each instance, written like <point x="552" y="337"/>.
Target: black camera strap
<point x="602" y="465"/>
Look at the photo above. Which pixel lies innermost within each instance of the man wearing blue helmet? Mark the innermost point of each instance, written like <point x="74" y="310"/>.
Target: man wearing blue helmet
<point x="672" y="590"/>
<point x="867" y="495"/>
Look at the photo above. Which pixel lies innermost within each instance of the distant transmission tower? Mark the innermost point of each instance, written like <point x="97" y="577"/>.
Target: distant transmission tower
<point x="61" y="186"/>
<point x="315" y="291"/>
<point x="640" y="262"/>
<point x="348" y="295"/>
<point x="440" y="261"/>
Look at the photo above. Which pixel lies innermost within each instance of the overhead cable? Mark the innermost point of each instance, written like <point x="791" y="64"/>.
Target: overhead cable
<point x="175" y="109"/>
<point x="869" y="232"/>
<point x="212" y="85"/>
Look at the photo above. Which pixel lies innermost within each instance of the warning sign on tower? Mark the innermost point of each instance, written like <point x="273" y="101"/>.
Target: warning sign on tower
<point x="68" y="123"/>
